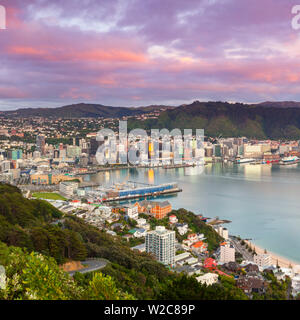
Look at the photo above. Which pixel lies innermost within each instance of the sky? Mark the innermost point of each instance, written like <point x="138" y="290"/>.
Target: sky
<point x="142" y="52"/>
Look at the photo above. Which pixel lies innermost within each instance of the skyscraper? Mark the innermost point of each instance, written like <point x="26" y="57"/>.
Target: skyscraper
<point x="161" y="242"/>
<point x="40" y="144"/>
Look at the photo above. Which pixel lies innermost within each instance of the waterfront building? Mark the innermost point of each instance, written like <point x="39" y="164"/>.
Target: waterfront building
<point x="45" y="178"/>
<point x="223" y="232"/>
<point x="263" y="260"/>
<point x="161" y="242"/>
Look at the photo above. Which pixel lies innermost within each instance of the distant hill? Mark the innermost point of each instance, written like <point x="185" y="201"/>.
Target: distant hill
<point x="83" y="110"/>
<point x="280" y="104"/>
<point x="230" y="120"/>
<point x="276" y="120"/>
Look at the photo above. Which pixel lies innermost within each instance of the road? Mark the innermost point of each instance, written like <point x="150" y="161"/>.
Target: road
<point x="239" y="248"/>
<point x="92" y="265"/>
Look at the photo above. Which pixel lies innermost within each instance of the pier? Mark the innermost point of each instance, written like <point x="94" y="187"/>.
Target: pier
<point x="145" y="195"/>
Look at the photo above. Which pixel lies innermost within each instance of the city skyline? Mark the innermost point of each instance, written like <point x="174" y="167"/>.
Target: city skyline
<point x="139" y="53"/>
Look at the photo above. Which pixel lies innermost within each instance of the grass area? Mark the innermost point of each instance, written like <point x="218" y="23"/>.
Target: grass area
<point x="48" y="195"/>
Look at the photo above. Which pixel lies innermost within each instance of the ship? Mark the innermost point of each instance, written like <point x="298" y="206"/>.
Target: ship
<point x="289" y="160"/>
<point x="244" y="160"/>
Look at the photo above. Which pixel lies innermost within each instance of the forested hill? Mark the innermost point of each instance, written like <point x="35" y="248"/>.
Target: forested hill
<point x="28" y="224"/>
<point x="231" y="120"/>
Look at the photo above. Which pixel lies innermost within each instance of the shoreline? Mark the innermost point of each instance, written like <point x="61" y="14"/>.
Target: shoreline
<point x="282" y="261"/>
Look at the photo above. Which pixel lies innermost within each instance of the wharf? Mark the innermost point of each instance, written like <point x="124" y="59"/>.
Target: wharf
<point x="145" y="195"/>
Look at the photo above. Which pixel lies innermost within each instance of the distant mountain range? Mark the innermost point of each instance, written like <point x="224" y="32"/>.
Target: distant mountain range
<point x="83" y="110"/>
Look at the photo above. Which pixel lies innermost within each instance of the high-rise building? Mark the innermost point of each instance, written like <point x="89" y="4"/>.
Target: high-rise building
<point x="94" y="145"/>
<point x="15" y="154"/>
<point x="227" y="253"/>
<point x="40" y="144"/>
<point x="161" y="242"/>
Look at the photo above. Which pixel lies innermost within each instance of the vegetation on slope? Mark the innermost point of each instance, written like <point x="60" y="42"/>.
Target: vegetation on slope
<point x="27" y="224"/>
<point x="229" y="120"/>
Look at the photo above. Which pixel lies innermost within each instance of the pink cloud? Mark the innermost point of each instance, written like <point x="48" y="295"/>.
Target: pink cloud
<point x="237" y="50"/>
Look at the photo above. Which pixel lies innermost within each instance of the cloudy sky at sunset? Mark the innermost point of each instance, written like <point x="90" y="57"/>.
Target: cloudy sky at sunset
<point x="141" y="52"/>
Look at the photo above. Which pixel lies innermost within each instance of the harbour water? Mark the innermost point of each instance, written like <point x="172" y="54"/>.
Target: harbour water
<point x="262" y="201"/>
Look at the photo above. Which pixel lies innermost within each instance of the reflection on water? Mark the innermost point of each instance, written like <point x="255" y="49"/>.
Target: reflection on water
<point x="150" y="176"/>
<point x="262" y="201"/>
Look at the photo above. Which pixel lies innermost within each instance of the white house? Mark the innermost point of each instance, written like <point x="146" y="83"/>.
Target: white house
<point x="140" y="233"/>
<point x="132" y="212"/>
<point x="141" y="221"/>
<point x="208" y="279"/>
<point x="182" y="228"/>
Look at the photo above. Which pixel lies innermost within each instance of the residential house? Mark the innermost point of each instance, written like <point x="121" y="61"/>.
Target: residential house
<point x="251" y="284"/>
<point x="182" y="228"/>
<point x="208" y="279"/>
<point x="199" y="247"/>
<point x="173" y="219"/>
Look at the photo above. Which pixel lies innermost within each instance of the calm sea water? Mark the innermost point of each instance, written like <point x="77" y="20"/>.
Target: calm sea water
<point x="262" y="201"/>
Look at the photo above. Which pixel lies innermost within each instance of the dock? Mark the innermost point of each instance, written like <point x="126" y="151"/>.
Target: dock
<point x="145" y="195"/>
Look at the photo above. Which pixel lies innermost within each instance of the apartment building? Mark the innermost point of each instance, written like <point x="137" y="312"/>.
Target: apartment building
<point x="227" y="253"/>
<point x="263" y="260"/>
<point x="161" y="242"/>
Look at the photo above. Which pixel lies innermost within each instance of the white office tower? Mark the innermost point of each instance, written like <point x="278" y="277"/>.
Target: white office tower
<point x="263" y="260"/>
<point x="161" y="242"/>
<point x="227" y="253"/>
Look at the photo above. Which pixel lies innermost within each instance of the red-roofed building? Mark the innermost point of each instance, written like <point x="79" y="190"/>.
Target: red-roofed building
<point x="199" y="247"/>
<point x="210" y="263"/>
<point x="222" y="273"/>
<point x="192" y="237"/>
<point x="173" y="219"/>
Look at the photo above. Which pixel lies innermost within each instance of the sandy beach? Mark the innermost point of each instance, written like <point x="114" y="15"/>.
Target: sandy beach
<point x="282" y="262"/>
